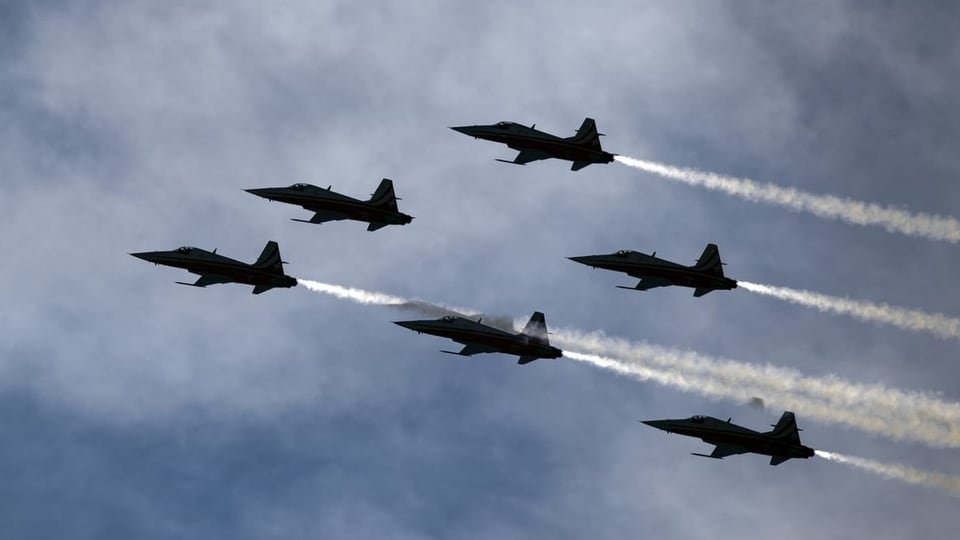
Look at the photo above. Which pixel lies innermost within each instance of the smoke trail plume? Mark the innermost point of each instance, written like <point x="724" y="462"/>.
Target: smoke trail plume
<point x="874" y="408"/>
<point x="924" y="225"/>
<point x="357" y="295"/>
<point x="895" y="471"/>
<point x="937" y="324"/>
<point x="361" y="296"/>
<point x="898" y="414"/>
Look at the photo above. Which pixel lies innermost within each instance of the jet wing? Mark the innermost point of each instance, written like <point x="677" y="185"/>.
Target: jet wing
<point x="526" y="156"/>
<point x="471" y="349"/>
<point x="723" y="450"/>
<point x="649" y="283"/>
<point x="577" y="165"/>
<point x="257" y="289"/>
<point x="323" y="216"/>
<point x="208" y="279"/>
<point x="776" y="460"/>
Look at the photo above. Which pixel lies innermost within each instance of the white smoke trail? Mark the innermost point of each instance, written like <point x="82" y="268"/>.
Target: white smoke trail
<point x="924" y="225"/>
<point x="895" y="471"/>
<point x="357" y="295"/>
<point x="874" y="408"/>
<point x="937" y="324"/>
<point x="898" y="414"/>
<point x="361" y="296"/>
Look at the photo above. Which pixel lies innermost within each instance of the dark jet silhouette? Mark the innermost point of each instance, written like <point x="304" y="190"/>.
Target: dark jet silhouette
<point x="582" y="149"/>
<point x="781" y="444"/>
<point x="264" y="274"/>
<point x="705" y="276"/>
<point x="380" y="211"/>
<point x="530" y="344"/>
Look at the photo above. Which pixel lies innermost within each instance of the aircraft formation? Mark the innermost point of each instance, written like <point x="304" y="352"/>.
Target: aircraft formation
<point x="531" y="343"/>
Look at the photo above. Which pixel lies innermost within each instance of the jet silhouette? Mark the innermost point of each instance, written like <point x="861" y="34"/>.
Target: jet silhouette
<point x="530" y="344"/>
<point x="264" y="274"/>
<point x="705" y="276"/>
<point x="379" y="211"/>
<point x="582" y="149"/>
<point x="782" y="443"/>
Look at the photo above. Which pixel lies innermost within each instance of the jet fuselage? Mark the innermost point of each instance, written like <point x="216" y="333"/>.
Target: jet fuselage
<point x="331" y="205"/>
<point x="470" y="332"/>
<point x="726" y="434"/>
<point x="203" y="262"/>
<point x="527" y="139"/>
<point x="641" y="265"/>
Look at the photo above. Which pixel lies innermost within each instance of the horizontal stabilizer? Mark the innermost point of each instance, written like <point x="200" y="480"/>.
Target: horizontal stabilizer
<point x="261" y="288"/>
<point x="524" y="360"/>
<point x="376" y="226"/>
<point x="776" y="460"/>
<point x="701" y="291"/>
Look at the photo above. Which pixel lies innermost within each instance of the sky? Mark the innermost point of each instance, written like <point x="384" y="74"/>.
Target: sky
<point x="134" y="407"/>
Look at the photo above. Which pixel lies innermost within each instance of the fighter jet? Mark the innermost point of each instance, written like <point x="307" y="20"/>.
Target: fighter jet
<point x="781" y="444"/>
<point x="705" y="276"/>
<point x="380" y="211"/>
<point x="530" y="344"/>
<point x="264" y="274"/>
<point x="582" y="149"/>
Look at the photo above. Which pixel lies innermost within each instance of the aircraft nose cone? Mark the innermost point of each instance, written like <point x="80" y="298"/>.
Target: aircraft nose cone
<point x="588" y="260"/>
<point x="406" y="324"/>
<point x="149" y="256"/>
<point x="659" y="424"/>
<point x="466" y="130"/>
<point x="259" y="192"/>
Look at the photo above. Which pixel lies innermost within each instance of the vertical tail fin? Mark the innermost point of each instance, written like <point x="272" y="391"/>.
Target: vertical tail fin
<point x="270" y="258"/>
<point x="587" y="134"/>
<point x="786" y="429"/>
<point x="384" y="195"/>
<point x="709" y="261"/>
<point x="536" y="327"/>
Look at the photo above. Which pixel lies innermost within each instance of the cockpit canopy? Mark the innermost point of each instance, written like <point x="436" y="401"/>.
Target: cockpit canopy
<point x="504" y="125"/>
<point x="697" y="419"/>
<point x="448" y="318"/>
<point x="300" y="186"/>
<point x="623" y="253"/>
<point x="185" y="249"/>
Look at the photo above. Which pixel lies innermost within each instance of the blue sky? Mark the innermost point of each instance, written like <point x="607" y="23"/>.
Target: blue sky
<point x="135" y="407"/>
